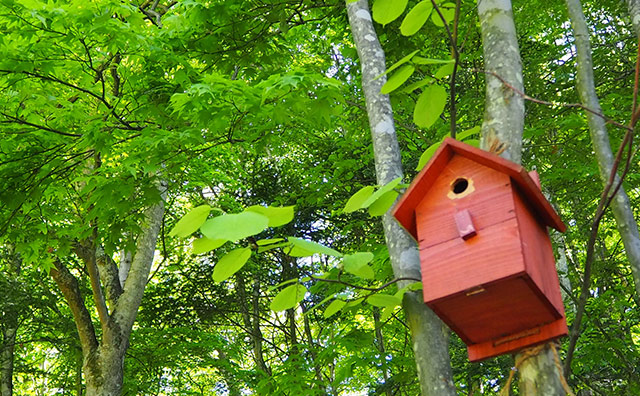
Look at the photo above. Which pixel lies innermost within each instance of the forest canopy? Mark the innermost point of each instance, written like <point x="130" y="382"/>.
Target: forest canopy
<point x="195" y="195"/>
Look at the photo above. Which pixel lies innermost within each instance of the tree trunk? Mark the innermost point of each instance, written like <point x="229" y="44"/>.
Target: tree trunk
<point x="620" y="205"/>
<point x="634" y="12"/>
<point x="9" y="328"/>
<point x="381" y="348"/>
<point x="103" y="359"/>
<point x="7" y="355"/>
<point x="503" y="124"/>
<point x="430" y="336"/>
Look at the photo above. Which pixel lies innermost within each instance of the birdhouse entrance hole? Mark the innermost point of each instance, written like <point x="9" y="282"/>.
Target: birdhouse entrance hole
<point x="460" y="185"/>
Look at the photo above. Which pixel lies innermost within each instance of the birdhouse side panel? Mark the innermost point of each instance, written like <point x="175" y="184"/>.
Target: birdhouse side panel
<point x="463" y="185"/>
<point x="538" y="253"/>
<point x="460" y="265"/>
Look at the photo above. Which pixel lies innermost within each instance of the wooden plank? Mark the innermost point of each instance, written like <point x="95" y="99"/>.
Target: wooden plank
<point x="457" y="266"/>
<point x="539" y="335"/>
<point x="495" y="310"/>
<point x="404" y="209"/>
<point x="538" y="253"/>
<point x="489" y="203"/>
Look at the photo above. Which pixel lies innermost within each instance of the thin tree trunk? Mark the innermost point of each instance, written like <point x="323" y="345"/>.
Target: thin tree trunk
<point x="503" y="124"/>
<point x="9" y="327"/>
<point x="634" y="12"/>
<point x="430" y="336"/>
<point x="7" y="355"/>
<point x="313" y="351"/>
<point x="381" y="348"/>
<point x="585" y="83"/>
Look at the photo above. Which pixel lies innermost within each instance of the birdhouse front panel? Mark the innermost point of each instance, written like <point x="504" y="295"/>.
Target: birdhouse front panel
<point x="487" y="263"/>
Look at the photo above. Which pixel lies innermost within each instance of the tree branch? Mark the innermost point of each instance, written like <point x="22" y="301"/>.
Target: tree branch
<point x="68" y="284"/>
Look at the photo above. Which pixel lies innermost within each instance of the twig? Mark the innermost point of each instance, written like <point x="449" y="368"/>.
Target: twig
<point x="544" y="102"/>
<point x="373" y="289"/>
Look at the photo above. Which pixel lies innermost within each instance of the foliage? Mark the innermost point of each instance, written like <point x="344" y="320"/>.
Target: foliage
<point x="269" y="275"/>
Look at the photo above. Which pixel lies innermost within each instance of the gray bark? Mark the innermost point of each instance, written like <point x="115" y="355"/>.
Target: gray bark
<point x="620" y="205"/>
<point x="9" y="326"/>
<point x="634" y="12"/>
<point x="504" y="109"/>
<point x="430" y="336"/>
<point x="7" y="355"/>
<point x="503" y="123"/>
<point x="103" y="359"/>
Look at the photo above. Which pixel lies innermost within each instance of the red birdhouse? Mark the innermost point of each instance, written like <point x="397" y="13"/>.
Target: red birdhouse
<point x="488" y="269"/>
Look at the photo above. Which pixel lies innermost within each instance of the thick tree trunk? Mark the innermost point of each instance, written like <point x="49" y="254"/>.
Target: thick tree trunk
<point x="430" y="336"/>
<point x="503" y="124"/>
<point x="103" y="359"/>
<point x="104" y="371"/>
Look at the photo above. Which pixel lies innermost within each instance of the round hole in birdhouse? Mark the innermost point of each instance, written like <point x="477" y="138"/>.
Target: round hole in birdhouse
<point x="460" y="185"/>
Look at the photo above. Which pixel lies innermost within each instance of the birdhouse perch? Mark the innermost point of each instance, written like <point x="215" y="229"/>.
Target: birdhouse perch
<point x="488" y="269"/>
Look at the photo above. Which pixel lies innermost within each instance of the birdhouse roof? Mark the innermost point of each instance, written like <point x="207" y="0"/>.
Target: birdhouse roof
<point x="404" y="210"/>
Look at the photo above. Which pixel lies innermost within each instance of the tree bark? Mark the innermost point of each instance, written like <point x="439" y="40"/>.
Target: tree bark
<point x="10" y="328"/>
<point x="634" y="12"/>
<point x="103" y="359"/>
<point x="504" y="109"/>
<point x="585" y="83"/>
<point x="503" y="124"/>
<point x="9" y="325"/>
<point x="430" y="336"/>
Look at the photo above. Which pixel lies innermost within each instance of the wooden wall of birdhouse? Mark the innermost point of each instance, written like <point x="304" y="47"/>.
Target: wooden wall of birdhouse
<point x="488" y="269"/>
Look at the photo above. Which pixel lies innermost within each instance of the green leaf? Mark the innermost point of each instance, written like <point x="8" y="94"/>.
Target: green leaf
<point x="398" y="63"/>
<point x="384" y="300"/>
<point x="231" y="263"/>
<point x="191" y="221"/>
<point x="386" y="313"/>
<point x="473" y="142"/>
<point x="203" y="245"/>
<point x="397" y="79"/>
<point x="304" y="248"/>
<point x="277" y="216"/>
<point x="232" y="227"/>
<point x="264" y="242"/>
<point x="445" y="70"/>
<point x="354" y="303"/>
<point x="356" y="264"/>
<point x="418" y="84"/>
<point x="288" y="297"/>
<point x="465" y="134"/>
<point x="386" y="11"/>
<point x="335" y="306"/>
<point x="381" y="191"/>
<point x="355" y="202"/>
<point x="429" y="106"/>
<point x="426" y="156"/>
<point x="418" y="60"/>
<point x="383" y="204"/>
<point x="416" y="18"/>
<point x="448" y="11"/>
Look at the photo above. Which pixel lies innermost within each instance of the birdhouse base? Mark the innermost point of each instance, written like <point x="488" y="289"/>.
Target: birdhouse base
<point x="515" y="342"/>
